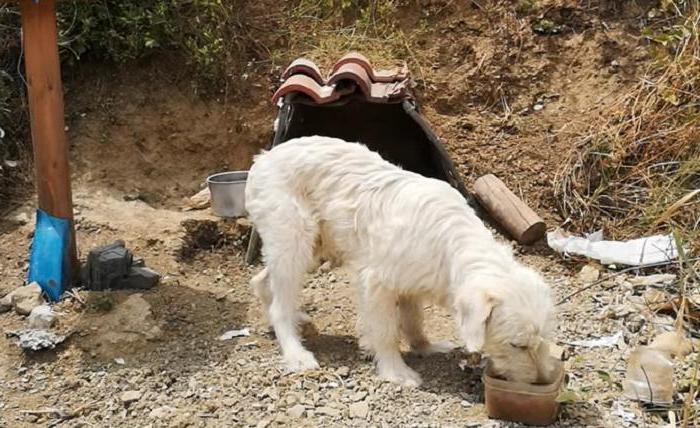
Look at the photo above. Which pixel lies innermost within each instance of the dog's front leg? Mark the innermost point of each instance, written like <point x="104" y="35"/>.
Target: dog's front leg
<point x="379" y="335"/>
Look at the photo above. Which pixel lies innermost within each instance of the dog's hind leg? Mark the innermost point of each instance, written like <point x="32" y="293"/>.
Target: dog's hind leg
<point x="380" y="335"/>
<point x="260" y="284"/>
<point x="411" y="316"/>
<point x="288" y="243"/>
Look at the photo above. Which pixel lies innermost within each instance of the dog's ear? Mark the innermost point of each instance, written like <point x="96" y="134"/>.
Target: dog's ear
<point x="472" y="314"/>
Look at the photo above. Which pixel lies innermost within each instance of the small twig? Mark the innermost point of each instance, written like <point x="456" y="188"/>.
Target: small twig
<point x="620" y="272"/>
<point x="475" y="3"/>
<point x="49" y="411"/>
<point x="60" y="413"/>
<point x="223" y="295"/>
<point x="651" y="390"/>
<point x="76" y="296"/>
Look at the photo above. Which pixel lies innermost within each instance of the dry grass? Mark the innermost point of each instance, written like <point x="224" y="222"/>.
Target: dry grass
<point x="639" y="172"/>
<point x="15" y="154"/>
<point x="324" y="34"/>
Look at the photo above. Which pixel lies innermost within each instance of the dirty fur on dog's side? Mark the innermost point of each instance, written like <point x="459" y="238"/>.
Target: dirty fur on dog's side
<point x="407" y="240"/>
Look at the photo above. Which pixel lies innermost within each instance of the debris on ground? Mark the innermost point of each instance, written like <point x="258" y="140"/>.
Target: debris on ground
<point x="650" y="369"/>
<point x="113" y="267"/>
<point x="199" y="201"/>
<point x="636" y="252"/>
<point x="161" y="413"/>
<point x="208" y="235"/>
<point x="546" y="27"/>
<point x="673" y="343"/>
<point x="23" y="299"/>
<point x="660" y="301"/>
<point x="128" y="397"/>
<point x="656" y="279"/>
<point x="235" y="333"/>
<point x="36" y="340"/>
<point x="588" y="274"/>
<point x="603" y="342"/>
<point x="623" y="414"/>
<point x="359" y="410"/>
<point x="42" y="317"/>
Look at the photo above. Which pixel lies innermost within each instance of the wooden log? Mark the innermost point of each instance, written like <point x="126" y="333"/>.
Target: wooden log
<point x="519" y="220"/>
<point x="46" y="113"/>
<point x="253" y="247"/>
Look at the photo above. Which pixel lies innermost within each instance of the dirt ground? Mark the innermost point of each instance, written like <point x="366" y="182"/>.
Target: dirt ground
<point x="141" y="141"/>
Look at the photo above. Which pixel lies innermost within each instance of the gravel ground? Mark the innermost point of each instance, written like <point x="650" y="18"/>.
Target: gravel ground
<point x="154" y="359"/>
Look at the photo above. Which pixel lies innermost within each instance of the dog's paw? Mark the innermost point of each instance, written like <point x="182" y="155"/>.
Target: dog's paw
<point x="401" y="375"/>
<point x="441" y="347"/>
<point x="300" y="361"/>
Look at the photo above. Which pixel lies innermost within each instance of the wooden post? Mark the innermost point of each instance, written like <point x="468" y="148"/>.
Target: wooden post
<point x="519" y="220"/>
<point x="45" y="90"/>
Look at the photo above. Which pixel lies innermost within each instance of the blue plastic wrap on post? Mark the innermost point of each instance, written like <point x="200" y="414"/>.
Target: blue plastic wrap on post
<point x="49" y="262"/>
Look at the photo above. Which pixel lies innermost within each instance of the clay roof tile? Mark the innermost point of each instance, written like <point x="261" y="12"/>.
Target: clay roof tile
<point x="352" y="72"/>
<point x="306" y="67"/>
<point x="384" y="76"/>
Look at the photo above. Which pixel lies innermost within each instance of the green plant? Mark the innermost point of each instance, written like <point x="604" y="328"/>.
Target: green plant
<point x="204" y="32"/>
<point x="208" y="34"/>
<point x="525" y="7"/>
<point x="13" y="117"/>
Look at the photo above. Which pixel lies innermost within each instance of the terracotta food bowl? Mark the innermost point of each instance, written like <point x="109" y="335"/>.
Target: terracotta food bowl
<point x="530" y="404"/>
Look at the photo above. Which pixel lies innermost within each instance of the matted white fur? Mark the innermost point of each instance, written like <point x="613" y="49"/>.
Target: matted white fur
<point x="407" y="240"/>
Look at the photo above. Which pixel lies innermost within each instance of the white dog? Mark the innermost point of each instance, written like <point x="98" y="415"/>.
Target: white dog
<point x="407" y="240"/>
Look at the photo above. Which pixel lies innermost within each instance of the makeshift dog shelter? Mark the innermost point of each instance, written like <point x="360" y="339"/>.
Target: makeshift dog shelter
<point x="359" y="104"/>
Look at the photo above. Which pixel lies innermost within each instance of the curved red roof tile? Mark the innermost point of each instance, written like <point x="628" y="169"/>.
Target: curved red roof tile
<point x="306" y="67"/>
<point x="307" y="86"/>
<point x="383" y="76"/>
<point x="352" y="72"/>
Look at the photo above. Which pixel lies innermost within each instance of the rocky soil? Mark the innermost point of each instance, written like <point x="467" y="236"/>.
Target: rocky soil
<point x="504" y="99"/>
<point x="155" y="359"/>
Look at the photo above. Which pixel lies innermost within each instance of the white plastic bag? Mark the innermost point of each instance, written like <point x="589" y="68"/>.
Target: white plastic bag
<point x="636" y="252"/>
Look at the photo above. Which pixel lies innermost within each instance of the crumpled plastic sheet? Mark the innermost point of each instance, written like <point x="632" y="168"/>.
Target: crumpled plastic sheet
<point x="603" y="342"/>
<point x="636" y="252"/>
<point x="235" y="333"/>
<point x="36" y="340"/>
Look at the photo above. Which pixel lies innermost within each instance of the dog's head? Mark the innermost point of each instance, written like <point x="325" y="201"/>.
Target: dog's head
<point x="509" y="317"/>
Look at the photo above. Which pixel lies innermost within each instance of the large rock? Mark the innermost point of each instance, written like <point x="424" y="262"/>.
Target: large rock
<point x="23" y="299"/>
<point x="42" y="317"/>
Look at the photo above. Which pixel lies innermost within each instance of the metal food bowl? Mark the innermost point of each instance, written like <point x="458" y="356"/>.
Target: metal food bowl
<point x="228" y="193"/>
